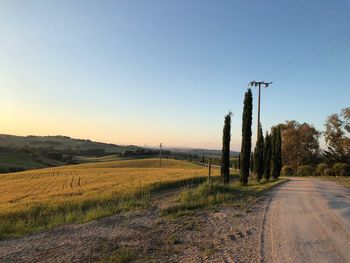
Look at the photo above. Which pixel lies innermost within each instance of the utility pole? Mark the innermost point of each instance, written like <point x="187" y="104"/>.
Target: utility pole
<point x="209" y="174"/>
<point x="259" y="84"/>
<point x="160" y="155"/>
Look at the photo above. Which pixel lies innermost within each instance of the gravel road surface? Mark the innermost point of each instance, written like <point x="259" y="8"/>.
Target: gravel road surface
<point x="308" y="220"/>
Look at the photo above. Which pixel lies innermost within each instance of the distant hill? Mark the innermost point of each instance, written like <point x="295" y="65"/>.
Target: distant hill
<point x="18" y="153"/>
<point x="60" y="143"/>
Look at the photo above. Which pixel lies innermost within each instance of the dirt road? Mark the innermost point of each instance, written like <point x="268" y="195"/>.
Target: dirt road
<point x="308" y="220"/>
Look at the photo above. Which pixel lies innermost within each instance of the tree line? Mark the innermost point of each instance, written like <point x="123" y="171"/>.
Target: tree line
<point x="290" y="148"/>
<point x="302" y="143"/>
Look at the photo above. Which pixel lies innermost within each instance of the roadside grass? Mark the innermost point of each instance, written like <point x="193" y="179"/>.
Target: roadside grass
<point x="121" y="255"/>
<point x="45" y="216"/>
<point x="345" y="181"/>
<point x="210" y="195"/>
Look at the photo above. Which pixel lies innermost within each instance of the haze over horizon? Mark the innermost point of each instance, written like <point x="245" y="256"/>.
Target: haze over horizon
<point x="144" y="72"/>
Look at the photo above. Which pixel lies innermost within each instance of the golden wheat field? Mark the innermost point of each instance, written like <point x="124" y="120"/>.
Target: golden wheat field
<point x="19" y="191"/>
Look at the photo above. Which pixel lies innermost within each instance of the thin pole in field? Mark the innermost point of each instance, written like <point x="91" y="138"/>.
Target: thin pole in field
<point x="209" y="173"/>
<point x="160" y="155"/>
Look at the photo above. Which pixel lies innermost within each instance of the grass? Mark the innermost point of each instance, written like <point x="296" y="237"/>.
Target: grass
<point x="20" y="160"/>
<point x="36" y="200"/>
<point x="209" y="195"/>
<point x="345" y="181"/>
<point x="86" y="159"/>
<point x="121" y="255"/>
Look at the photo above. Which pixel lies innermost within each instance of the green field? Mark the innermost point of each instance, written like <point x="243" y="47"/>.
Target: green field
<point x="19" y="160"/>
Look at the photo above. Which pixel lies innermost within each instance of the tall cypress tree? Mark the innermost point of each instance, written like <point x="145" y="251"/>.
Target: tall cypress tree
<point x="239" y="161"/>
<point x="225" y="159"/>
<point x="259" y="156"/>
<point x="267" y="156"/>
<point x="273" y="152"/>
<point x="276" y="158"/>
<point x="278" y="149"/>
<point x="246" y="136"/>
<point x="252" y="163"/>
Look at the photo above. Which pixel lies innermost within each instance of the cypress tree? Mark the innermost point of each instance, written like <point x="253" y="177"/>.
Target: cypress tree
<point x="252" y="163"/>
<point x="276" y="143"/>
<point x="259" y="156"/>
<point x="279" y="152"/>
<point x="239" y="161"/>
<point x="225" y="159"/>
<point x="267" y="156"/>
<point x="246" y="136"/>
<point x="273" y="152"/>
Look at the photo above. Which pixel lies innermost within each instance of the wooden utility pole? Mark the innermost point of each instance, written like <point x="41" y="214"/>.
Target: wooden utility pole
<point x="259" y="84"/>
<point x="209" y="174"/>
<point x="160" y="155"/>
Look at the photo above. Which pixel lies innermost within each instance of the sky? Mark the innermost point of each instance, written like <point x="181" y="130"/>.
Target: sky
<point x="148" y="71"/>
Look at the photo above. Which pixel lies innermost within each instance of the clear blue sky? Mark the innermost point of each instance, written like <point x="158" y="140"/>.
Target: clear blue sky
<point x="141" y="72"/>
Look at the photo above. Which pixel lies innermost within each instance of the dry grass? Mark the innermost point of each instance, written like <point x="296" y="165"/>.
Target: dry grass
<point x="86" y="181"/>
<point x="82" y="192"/>
<point x="345" y="181"/>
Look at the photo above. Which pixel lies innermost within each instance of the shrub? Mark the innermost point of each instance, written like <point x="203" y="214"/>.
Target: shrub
<point x="304" y="170"/>
<point x="328" y="172"/>
<point x="321" y="168"/>
<point x="287" y="171"/>
<point x="341" y="169"/>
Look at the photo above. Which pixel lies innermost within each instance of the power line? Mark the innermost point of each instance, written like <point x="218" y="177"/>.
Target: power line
<point x="316" y="53"/>
<point x="309" y="63"/>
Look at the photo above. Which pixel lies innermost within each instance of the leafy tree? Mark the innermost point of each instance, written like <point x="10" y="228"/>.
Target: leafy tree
<point x="267" y="156"/>
<point x="225" y="159"/>
<point x="259" y="156"/>
<point x="305" y="170"/>
<point x="321" y="168"/>
<point x="276" y="152"/>
<point x="246" y="136"/>
<point x="300" y="144"/>
<point x="341" y="169"/>
<point x="337" y="137"/>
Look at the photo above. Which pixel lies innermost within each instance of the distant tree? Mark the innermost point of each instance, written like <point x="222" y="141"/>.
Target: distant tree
<point x="337" y="137"/>
<point x="203" y="159"/>
<point x="287" y="171"/>
<point x="305" y="170"/>
<point x="321" y="168"/>
<point x="300" y="144"/>
<point x="276" y="152"/>
<point x="225" y="158"/>
<point x="246" y="136"/>
<point x="341" y="169"/>
<point x="259" y="156"/>
<point x="267" y="156"/>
